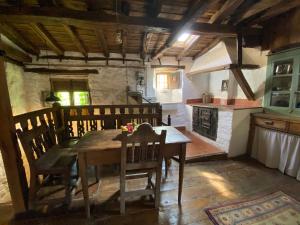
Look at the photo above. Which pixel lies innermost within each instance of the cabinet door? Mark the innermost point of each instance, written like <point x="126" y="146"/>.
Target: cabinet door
<point x="296" y="100"/>
<point x="282" y="92"/>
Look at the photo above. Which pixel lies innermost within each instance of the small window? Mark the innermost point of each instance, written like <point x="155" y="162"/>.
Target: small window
<point x="162" y="81"/>
<point x="72" y="92"/>
<point x="81" y="98"/>
<point x="169" y="80"/>
<point x="65" y="98"/>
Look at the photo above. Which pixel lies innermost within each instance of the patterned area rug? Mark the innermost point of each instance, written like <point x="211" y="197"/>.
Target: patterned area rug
<point x="273" y="209"/>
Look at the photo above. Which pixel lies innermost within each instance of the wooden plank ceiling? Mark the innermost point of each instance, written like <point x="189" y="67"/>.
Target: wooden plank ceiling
<point x="145" y="27"/>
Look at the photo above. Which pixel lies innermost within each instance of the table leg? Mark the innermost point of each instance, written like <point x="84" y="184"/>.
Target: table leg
<point x="84" y="182"/>
<point x="181" y="170"/>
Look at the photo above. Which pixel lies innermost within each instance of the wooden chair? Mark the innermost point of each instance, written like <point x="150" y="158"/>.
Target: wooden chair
<point x="45" y="158"/>
<point x="141" y="154"/>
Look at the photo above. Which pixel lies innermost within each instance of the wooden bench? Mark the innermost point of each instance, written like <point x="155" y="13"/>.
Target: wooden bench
<point x="45" y="158"/>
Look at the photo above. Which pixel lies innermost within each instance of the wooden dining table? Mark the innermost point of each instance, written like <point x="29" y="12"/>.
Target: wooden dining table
<point x="100" y="148"/>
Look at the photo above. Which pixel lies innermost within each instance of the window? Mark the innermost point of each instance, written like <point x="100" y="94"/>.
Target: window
<point x="71" y="92"/>
<point x="168" y="80"/>
<point x="161" y="81"/>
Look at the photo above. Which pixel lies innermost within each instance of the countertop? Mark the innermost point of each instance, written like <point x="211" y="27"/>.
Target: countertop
<point x="274" y="116"/>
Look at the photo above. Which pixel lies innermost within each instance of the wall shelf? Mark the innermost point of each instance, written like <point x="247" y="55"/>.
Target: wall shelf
<point x="224" y="67"/>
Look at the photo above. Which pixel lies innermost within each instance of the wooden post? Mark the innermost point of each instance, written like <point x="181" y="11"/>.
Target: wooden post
<point x="239" y="49"/>
<point x="58" y="122"/>
<point x="11" y="154"/>
<point x="169" y="120"/>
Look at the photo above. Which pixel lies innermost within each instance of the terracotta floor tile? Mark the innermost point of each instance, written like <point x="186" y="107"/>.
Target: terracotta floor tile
<point x="198" y="147"/>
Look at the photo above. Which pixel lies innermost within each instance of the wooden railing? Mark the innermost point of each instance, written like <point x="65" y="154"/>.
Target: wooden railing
<point x="79" y="120"/>
<point x="75" y="121"/>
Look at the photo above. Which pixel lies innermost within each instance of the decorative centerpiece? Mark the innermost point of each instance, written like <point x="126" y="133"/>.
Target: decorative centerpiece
<point x="130" y="127"/>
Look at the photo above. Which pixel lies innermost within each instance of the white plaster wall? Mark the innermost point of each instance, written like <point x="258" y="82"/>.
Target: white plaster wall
<point x="240" y="131"/>
<point x="215" y="57"/>
<point x="218" y="56"/>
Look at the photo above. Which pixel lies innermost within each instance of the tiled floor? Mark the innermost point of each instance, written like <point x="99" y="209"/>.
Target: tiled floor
<point x="198" y="147"/>
<point x="205" y="184"/>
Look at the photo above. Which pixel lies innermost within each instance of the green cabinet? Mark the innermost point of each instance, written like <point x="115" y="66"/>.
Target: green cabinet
<point x="282" y="93"/>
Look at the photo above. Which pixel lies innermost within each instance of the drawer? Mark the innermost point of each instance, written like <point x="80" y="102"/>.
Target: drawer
<point x="272" y="124"/>
<point x="294" y="128"/>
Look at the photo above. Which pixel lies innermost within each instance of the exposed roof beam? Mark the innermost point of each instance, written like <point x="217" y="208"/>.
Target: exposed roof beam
<point x="255" y="9"/>
<point x="78" y="42"/>
<point x="206" y="49"/>
<point x="145" y="41"/>
<point x="168" y="66"/>
<point x="277" y="10"/>
<point x="17" y="38"/>
<point x="240" y="78"/>
<point x="46" y="3"/>
<point x="188" y="48"/>
<point x="94" y="5"/>
<point x="86" y="59"/>
<point x="101" y="37"/>
<point x="14" y="53"/>
<point x="15" y="2"/>
<point x="43" y="70"/>
<point x="124" y="43"/>
<point x="198" y="8"/>
<point x="154" y="7"/>
<point x="228" y="8"/>
<point x="40" y="30"/>
<point x="92" y="19"/>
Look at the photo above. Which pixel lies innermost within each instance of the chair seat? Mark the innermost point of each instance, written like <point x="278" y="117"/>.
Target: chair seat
<point x="69" y="143"/>
<point x="55" y="160"/>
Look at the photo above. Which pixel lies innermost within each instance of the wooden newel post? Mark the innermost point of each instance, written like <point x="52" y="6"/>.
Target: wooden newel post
<point x="58" y="121"/>
<point x="159" y="111"/>
<point x="11" y="154"/>
<point x="169" y="120"/>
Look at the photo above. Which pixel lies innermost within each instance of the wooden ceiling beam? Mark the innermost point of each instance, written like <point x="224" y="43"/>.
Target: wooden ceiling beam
<point x="75" y="38"/>
<point x="41" y="32"/>
<point x="124" y="43"/>
<point x="226" y="10"/>
<point x="188" y="48"/>
<point x="15" y="2"/>
<point x="256" y="9"/>
<point x="143" y="45"/>
<point x="145" y="42"/>
<point x="43" y="70"/>
<point x="241" y="80"/>
<point x="47" y="3"/>
<point x="101" y="37"/>
<point x="14" y="53"/>
<point x="89" y="59"/>
<point x="276" y="10"/>
<point x="186" y="24"/>
<point x="17" y="38"/>
<point x="154" y="7"/>
<point x="210" y="46"/>
<point x="93" y="19"/>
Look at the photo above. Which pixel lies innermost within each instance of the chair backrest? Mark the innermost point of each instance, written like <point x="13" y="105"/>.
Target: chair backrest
<point x="142" y="149"/>
<point x="36" y="142"/>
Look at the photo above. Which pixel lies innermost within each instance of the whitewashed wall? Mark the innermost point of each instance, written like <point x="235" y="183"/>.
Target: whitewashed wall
<point x="219" y="56"/>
